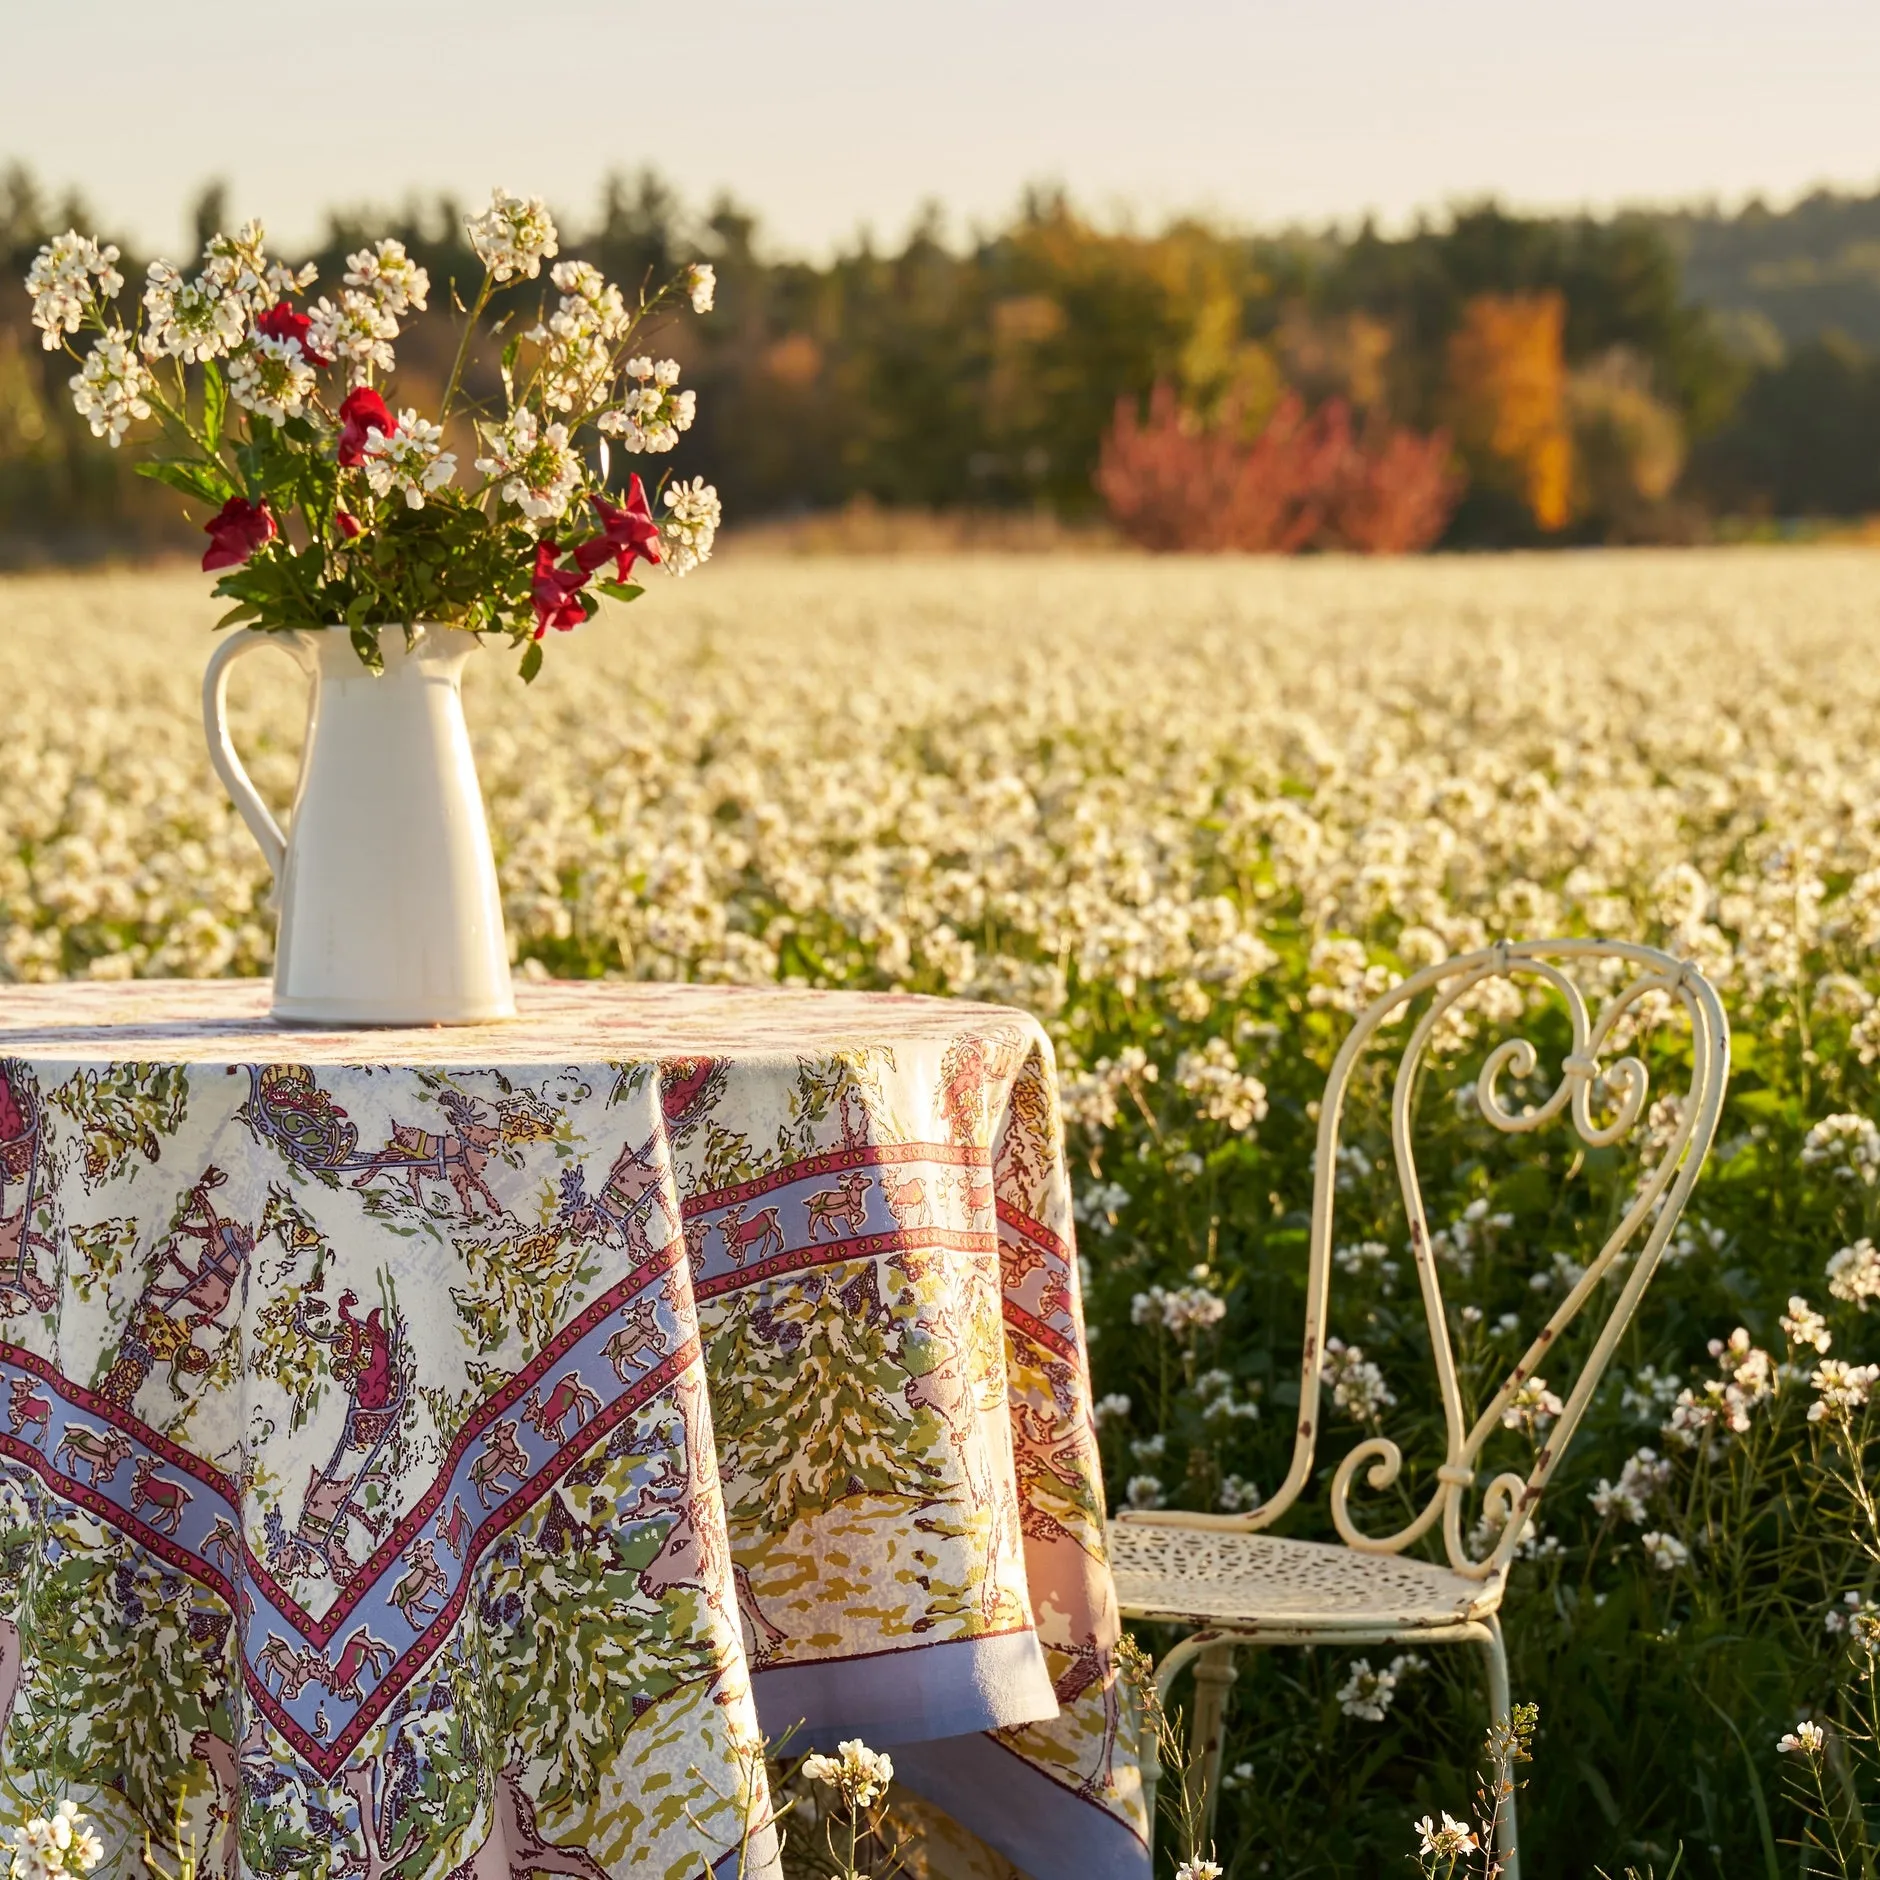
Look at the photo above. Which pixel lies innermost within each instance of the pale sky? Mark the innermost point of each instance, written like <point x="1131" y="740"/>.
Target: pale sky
<point x="832" y="115"/>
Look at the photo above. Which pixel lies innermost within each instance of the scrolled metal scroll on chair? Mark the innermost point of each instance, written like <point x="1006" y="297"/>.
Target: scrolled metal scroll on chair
<point x="1237" y="1586"/>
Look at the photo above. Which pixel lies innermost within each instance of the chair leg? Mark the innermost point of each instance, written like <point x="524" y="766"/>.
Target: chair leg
<point x="1214" y="1678"/>
<point x="1499" y="1704"/>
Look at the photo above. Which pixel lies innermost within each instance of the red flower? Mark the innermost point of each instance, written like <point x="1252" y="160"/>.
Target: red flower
<point x="630" y="534"/>
<point x="360" y="414"/>
<point x="555" y="590"/>
<point x="349" y="525"/>
<point x="235" y="532"/>
<point x="281" y="321"/>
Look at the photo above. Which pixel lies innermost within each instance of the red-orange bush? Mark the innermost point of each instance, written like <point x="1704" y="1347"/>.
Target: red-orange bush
<point x="1308" y="480"/>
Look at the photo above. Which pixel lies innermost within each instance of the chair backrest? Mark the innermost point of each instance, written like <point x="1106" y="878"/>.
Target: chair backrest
<point x="1656" y="1206"/>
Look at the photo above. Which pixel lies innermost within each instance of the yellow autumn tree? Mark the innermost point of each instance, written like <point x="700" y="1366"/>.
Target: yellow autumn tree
<point x="1507" y="399"/>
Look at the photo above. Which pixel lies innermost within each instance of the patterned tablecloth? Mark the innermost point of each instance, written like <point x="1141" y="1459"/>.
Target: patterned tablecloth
<point x="444" y="1450"/>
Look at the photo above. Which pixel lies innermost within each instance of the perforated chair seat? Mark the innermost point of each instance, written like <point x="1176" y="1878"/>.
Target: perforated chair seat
<point x="1250" y="1583"/>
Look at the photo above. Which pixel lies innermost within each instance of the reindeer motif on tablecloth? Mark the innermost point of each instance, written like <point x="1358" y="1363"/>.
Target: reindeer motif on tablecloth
<point x="455" y="1159"/>
<point x="638" y="1188"/>
<point x="503" y="1455"/>
<point x="548" y="1416"/>
<point x="759" y="1238"/>
<point x="845" y="1206"/>
<point x="27" y="1408"/>
<point x="907" y="1200"/>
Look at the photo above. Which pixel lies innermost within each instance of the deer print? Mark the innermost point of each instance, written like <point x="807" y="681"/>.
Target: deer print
<point x="27" y="1409"/>
<point x="457" y="1158"/>
<point x="102" y="1455"/>
<point x="758" y="1238"/>
<point x="166" y="1500"/>
<point x="976" y="1195"/>
<point x="362" y="1656"/>
<point x="640" y="1334"/>
<point x="455" y="1532"/>
<point x="907" y="1200"/>
<point x="502" y="1455"/>
<point x="548" y="1416"/>
<point x="419" y="1594"/>
<point x="843" y="1206"/>
<point x="295" y="1667"/>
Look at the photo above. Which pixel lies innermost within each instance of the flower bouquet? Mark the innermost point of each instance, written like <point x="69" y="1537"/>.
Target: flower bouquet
<point x="332" y="508"/>
<point x="337" y="517"/>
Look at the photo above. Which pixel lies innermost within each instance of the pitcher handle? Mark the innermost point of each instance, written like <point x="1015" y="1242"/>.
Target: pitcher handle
<point x="228" y="766"/>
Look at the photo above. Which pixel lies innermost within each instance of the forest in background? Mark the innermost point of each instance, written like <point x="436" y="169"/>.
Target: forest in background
<point x="1488" y="379"/>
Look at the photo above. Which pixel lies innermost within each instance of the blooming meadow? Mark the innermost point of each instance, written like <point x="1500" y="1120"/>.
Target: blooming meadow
<point x="1195" y="815"/>
<point x="337" y="511"/>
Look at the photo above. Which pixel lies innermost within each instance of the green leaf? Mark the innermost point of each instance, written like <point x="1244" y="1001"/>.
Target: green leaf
<point x="214" y="404"/>
<point x="299" y="431"/>
<point x="531" y="662"/>
<point x="366" y="644"/>
<point x="619" y="590"/>
<point x="207" y="482"/>
<point x="236" y="615"/>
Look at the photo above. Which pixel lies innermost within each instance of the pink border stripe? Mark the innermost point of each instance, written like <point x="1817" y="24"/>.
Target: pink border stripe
<point x="835" y="1252"/>
<point x="836" y="1162"/>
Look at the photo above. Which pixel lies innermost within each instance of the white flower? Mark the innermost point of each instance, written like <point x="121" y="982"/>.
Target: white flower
<point x="1149" y="1448"/>
<point x="46" y="1847"/>
<point x="701" y="283"/>
<point x="1806" y="1739"/>
<point x="1836" y="1619"/>
<point x="692" y="525"/>
<point x="1358" y="1386"/>
<point x="578" y="338"/>
<point x="1367" y="1693"/>
<point x="1840" y="1388"/>
<point x="513" y="236"/>
<point x="112" y="389"/>
<point x="857" y="1773"/>
<point x="1183" y="1310"/>
<point x="237" y="264"/>
<point x="1848" y="1147"/>
<point x="651" y="414"/>
<point x="1110" y="1409"/>
<point x="1238" y="1495"/>
<point x="1748" y="1377"/>
<point x="1854" y="1273"/>
<point x="1196" y="1868"/>
<point x="1665" y="1551"/>
<point x="1098" y="1205"/>
<point x="61" y="283"/>
<point x="411" y="459"/>
<point x="390" y="276"/>
<point x="1452" y="1838"/>
<point x="1143" y="1491"/>
<point x="359" y="331"/>
<point x="1213" y="1078"/>
<point x="1531" y="1406"/>
<point x="540" y="472"/>
<point x="271" y="377"/>
<point x="1645" y="1476"/>
<point x="1802" y="1325"/>
<point x="191" y="320"/>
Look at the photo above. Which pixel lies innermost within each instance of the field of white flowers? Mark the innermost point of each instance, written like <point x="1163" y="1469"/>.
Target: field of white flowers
<point x="1193" y="813"/>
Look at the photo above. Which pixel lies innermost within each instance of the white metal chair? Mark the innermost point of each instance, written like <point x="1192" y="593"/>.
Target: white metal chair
<point x="1235" y="1585"/>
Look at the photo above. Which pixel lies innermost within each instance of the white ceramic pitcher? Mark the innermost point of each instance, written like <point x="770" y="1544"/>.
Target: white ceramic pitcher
<point x="389" y="907"/>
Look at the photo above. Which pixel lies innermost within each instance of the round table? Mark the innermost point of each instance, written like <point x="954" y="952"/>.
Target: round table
<point x="457" y="1448"/>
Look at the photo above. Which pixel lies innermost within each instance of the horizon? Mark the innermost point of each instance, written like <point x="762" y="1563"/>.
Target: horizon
<point x="832" y="124"/>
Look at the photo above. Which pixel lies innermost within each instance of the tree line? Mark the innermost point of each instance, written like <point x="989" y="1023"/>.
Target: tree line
<point x="1484" y="379"/>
